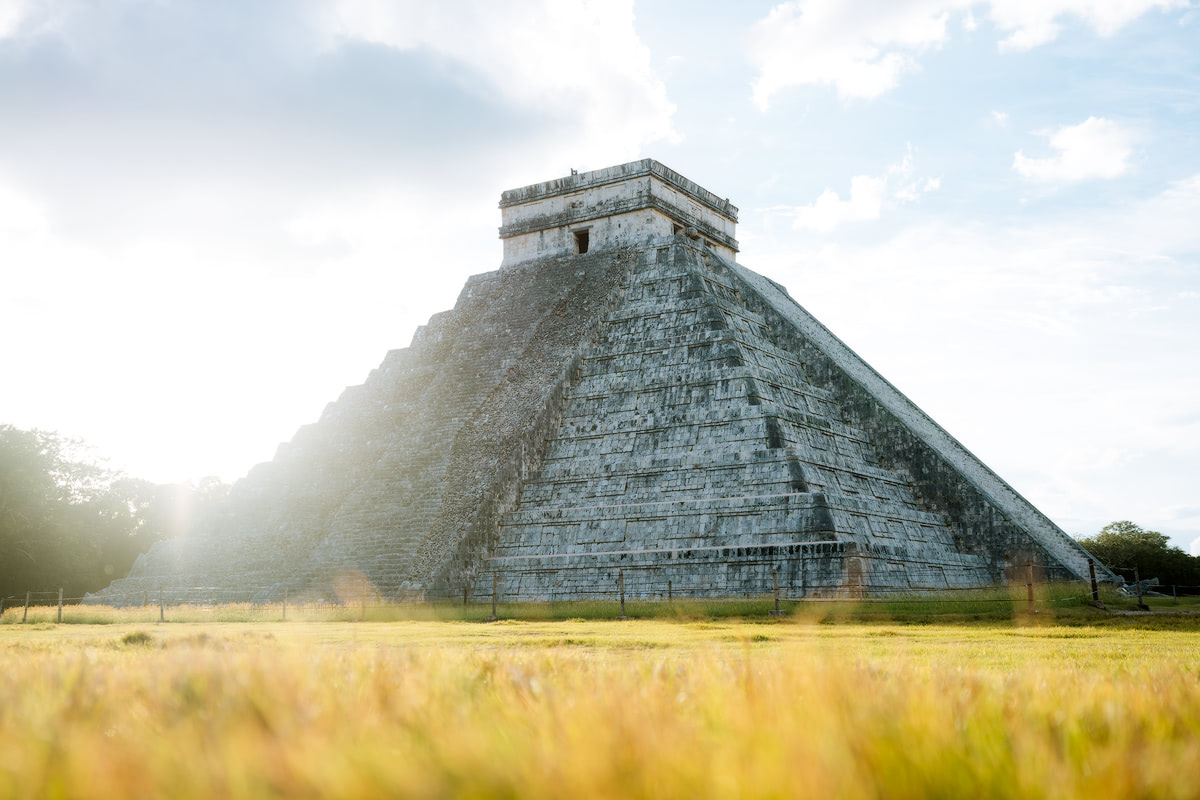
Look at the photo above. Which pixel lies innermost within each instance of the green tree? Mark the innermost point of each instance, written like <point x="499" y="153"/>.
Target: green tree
<point x="66" y="521"/>
<point x="1123" y="545"/>
<point x="40" y="482"/>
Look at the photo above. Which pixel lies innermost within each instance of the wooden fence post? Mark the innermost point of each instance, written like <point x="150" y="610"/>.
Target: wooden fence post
<point x="1029" y="584"/>
<point x="495" y="591"/>
<point x="161" y="613"/>
<point x="60" y="604"/>
<point x="464" y="596"/>
<point x="1174" y="596"/>
<point x="621" y="589"/>
<point x="775" y="580"/>
<point x="1137" y="578"/>
<point x="285" y="604"/>
<point x="1095" y="589"/>
<point x="25" y="613"/>
<point x="362" y="610"/>
<point x="670" y="592"/>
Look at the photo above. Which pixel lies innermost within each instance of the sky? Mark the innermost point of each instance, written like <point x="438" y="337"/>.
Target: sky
<point x="217" y="214"/>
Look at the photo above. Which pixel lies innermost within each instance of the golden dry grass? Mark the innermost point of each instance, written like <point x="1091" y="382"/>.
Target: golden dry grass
<point x="598" y="709"/>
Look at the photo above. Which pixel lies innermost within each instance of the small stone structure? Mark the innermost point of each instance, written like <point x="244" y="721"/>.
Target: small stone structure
<point x="621" y="397"/>
<point x="613" y="207"/>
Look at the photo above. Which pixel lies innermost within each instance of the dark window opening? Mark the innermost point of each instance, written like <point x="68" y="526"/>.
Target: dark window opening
<point x="581" y="242"/>
<point x="676" y="229"/>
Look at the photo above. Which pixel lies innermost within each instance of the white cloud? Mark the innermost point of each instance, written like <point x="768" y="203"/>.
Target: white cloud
<point x="868" y="197"/>
<point x="27" y="19"/>
<point x="1030" y="23"/>
<point x="862" y="48"/>
<point x="911" y="192"/>
<point x="20" y="215"/>
<point x="829" y="210"/>
<point x="859" y="48"/>
<point x="574" y="57"/>
<point x="1095" y="148"/>
<point x="11" y="14"/>
<point x="1000" y="118"/>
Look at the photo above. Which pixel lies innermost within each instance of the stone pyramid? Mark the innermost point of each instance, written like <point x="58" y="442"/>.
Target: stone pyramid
<point x="619" y="398"/>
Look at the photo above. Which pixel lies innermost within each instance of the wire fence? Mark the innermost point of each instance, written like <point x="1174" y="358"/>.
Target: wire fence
<point x="352" y="599"/>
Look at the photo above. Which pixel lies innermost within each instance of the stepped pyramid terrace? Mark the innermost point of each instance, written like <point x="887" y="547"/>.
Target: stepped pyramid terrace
<point x="620" y="397"/>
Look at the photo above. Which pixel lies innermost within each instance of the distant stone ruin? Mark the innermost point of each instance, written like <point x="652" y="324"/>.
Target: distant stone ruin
<point x="620" y="396"/>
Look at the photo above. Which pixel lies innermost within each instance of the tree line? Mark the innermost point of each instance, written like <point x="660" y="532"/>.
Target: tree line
<point x="67" y="521"/>
<point x="1123" y="545"/>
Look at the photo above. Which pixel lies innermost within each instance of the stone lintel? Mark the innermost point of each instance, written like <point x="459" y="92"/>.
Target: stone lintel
<point x="621" y="172"/>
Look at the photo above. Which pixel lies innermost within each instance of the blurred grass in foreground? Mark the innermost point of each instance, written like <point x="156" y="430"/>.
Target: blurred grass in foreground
<point x="642" y="708"/>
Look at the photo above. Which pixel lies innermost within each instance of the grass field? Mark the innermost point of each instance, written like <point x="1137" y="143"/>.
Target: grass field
<point x="1103" y="707"/>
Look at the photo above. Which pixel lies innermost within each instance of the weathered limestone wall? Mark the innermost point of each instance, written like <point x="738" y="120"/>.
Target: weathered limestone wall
<point x="696" y="453"/>
<point x="617" y="230"/>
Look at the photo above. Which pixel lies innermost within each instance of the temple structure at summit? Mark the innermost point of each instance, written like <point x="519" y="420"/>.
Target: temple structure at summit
<point x="620" y="397"/>
<point x="609" y="208"/>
